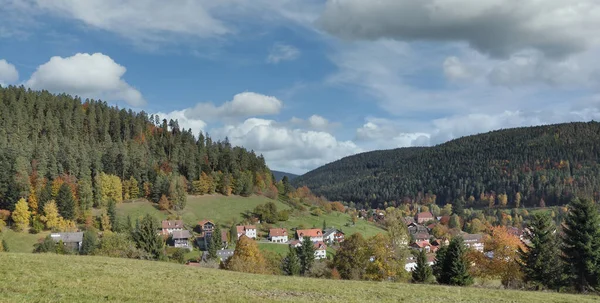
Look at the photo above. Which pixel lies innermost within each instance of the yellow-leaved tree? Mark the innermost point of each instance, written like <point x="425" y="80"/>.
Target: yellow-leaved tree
<point x="247" y="257"/>
<point x="51" y="217"/>
<point x="33" y="201"/>
<point x="21" y="215"/>
<point x="384" y="265"/>
<point x="66" y="225"/>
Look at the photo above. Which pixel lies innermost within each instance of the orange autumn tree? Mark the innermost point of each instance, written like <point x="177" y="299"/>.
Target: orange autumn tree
<point x="501" y="262"/>
<point x="247" y="257"/>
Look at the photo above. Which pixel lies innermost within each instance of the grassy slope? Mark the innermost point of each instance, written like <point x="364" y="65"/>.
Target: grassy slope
<point x="21" y="242"/>
<point x="55" y="278"/>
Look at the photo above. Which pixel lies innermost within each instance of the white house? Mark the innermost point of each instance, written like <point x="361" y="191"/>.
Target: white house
<point x="248" y="230"/>
<point x="320" y="248"/>
<point x="278" y="235"/>
<point x="474" y="241"/>
<point x="411" y="263"/>
<point x="169" y="226"/>
<point x="315" y="234"/>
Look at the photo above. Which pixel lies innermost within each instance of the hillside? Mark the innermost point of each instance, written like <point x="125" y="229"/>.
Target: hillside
<point x="279" y="175"/>
<point x="544" y="165"/>
<point x="59" y="278"/>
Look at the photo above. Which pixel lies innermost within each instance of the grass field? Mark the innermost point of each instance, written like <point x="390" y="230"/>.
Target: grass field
<point x="58" y="278"/>
<point x="21" y="242"/>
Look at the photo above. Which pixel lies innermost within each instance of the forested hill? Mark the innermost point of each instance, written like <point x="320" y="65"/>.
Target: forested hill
<point x="47" y="140"/>
<point x="531" y="166"/>
<point x="279" y="175"/>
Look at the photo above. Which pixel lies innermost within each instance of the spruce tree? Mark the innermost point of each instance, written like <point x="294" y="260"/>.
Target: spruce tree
<point x="540" y="262"/>
<point x="65" y="202"/>
<point x="455" y="269"/>
<point x="581" y="245"/>
<point x="146" y="237"/>
<point x="291" y="263"/>
<point x="89" y="243"/>
<point x="215" y="243"/>
<point x="422" y="272"/>
<point x="233" y="234"/>
<point x="112" y="214"/>
<point x="306" y="255"/>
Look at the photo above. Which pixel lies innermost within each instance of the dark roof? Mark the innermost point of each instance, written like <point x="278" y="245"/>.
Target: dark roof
<point x="68" y="237"/>
<point x="182" y="234"/>
<point x="168" y="224"/>
<point x="472" y="237"/>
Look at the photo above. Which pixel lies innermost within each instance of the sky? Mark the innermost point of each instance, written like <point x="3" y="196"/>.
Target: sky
<point x="307" y="82"/>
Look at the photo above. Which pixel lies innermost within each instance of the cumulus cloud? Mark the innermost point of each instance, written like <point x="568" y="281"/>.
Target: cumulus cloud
<point x="282" y="52"/>
<point x="314" y="122"/>
<point x="245" y="104"/>
<point x="196" y="125"/>
<point x="286" y="148"/>
<point x="496" y="27"/>
<point x="95" y="75"/>
<point x="8" y="73"/>
<point x="379" y="133"/>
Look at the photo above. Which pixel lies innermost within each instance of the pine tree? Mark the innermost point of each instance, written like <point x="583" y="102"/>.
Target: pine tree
<point x="89" y="243"/>
<point x="540" y="261"/>
<point x="291" y="263"/>
<point x="306" y="254"/>
<point x="85" y="193"/>
<point x="215" y="243"/>
<point x="111" y="211"/>
<point x="422" y="272"/>
<point x="146" y="237"/>
<point x="21" y="215"/>
<point x="581" y="245"/>
<point x="455" y="269"/>
<point x="233" y="234"/>
<point x="65" y="202"/>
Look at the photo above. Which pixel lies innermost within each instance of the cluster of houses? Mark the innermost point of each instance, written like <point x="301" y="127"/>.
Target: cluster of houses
<point x="181" y="237"/>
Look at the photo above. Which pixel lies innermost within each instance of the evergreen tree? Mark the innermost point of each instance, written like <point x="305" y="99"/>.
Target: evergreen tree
<point x="291" y="263"/>
<point x="215" y="243"/>
<point x="438" y="264"/>
<point x="422" y="272"/>
<point x="454" y="268"/>
<point x="306" y="254"/>
<point x="581" y="245"/>
<point x="540" y="261"/>
<point x="459" y="207"/>
<point x="85" y="193"/>
<point x="233" y="234"/>
<point x="89" y="243"/>
<point x="146" y="237"/>
<point x="324" y="225"/>
<point x="112" y="214"/>
<point x="65" y="202"/>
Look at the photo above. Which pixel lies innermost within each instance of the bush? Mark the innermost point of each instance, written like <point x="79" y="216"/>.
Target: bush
<point x="317" y="212"/>
<point x="37" y="226"/>
<point x="179" y="255"/>
<point x="283" y="215"/>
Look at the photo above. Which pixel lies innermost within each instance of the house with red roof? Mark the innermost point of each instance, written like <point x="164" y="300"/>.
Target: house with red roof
<point x="320" y="248"/>
<point x="169" y="226"/>
<point x="315" y="234"/>
<point x="278" y="235"/>
<point x="424" y="217"/>
<point x="247" y="230"/>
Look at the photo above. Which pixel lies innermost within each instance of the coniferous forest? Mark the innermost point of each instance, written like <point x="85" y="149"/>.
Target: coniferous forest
<point x="521" y="167"/>
<point x="102" y="153"/>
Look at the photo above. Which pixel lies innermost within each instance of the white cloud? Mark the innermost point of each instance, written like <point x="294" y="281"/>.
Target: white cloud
<point x="96" y="76"/>
<point x="8" y="73"/>
<point x="455" y="69"/>
<point x="314" y="122"/>
<point x="378" y="133"/>
<point x="287" y="149"/>
<point x="282" y="52"/>
<point x="496" y="27"/>
<point x="196" y="125"/>
<point x="245" y="104"/>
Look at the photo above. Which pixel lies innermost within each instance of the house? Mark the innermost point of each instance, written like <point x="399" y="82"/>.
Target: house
<point x="409" y="220"/>
<point x="320" y="248"/>
<point x="181" y="238"/>
<point x="425" y="245"/>
<point x="248" y="230"/>
<point x="474" y="241"/>
<point x="278" y="235"/>
<point x="411" y="263"/>
<point x="70" y="240"/>
<point x="169" y="226"/>
<point x="206" y="228"/>
<point x="415" y="228"/>
<point x="424" y="217"/>
<point x="333" y="235"/>
<point x="314" y="234"/>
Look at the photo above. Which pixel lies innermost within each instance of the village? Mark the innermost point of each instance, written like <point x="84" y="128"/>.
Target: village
<point x="176" y="234"/>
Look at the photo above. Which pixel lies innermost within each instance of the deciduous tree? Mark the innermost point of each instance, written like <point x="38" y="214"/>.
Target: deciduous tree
<point x="21" y="215"/>
<point x="247" y="257"/>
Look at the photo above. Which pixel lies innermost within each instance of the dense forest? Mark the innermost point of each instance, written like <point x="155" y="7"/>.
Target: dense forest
<point x="102" y="153"/>
<point x="521" y="167"/>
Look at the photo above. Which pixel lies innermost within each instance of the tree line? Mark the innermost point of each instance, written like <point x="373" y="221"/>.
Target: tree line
<point x="521" y="167"/>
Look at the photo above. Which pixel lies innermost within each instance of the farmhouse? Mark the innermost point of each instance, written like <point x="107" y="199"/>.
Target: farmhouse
<point x="248" y="230"/>
<point x="169" y="226"/>
<point x="181" y="238"/>
<point x="314" y="234"/>
<point x="474" y="241"/>
<point x="278" y="235"/>
<point x="206" y="228"/>
<point x="70" y="240"/>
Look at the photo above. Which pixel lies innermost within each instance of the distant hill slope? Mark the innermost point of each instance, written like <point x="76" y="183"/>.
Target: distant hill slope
<point x="543" y="164"/>
<point x="279" y="175"/>
<point x="62" y="278"/>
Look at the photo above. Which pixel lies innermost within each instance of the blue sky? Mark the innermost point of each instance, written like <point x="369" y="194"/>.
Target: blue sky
<point x="306" y="82"/>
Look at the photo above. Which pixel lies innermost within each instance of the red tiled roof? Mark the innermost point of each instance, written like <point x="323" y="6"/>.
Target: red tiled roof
<point x="315" y="232"/>
<point x="320" y="246"/>
<point x="241" y="229"/>
<point x="277" y="232"/>
<point x="169" y="224"/>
